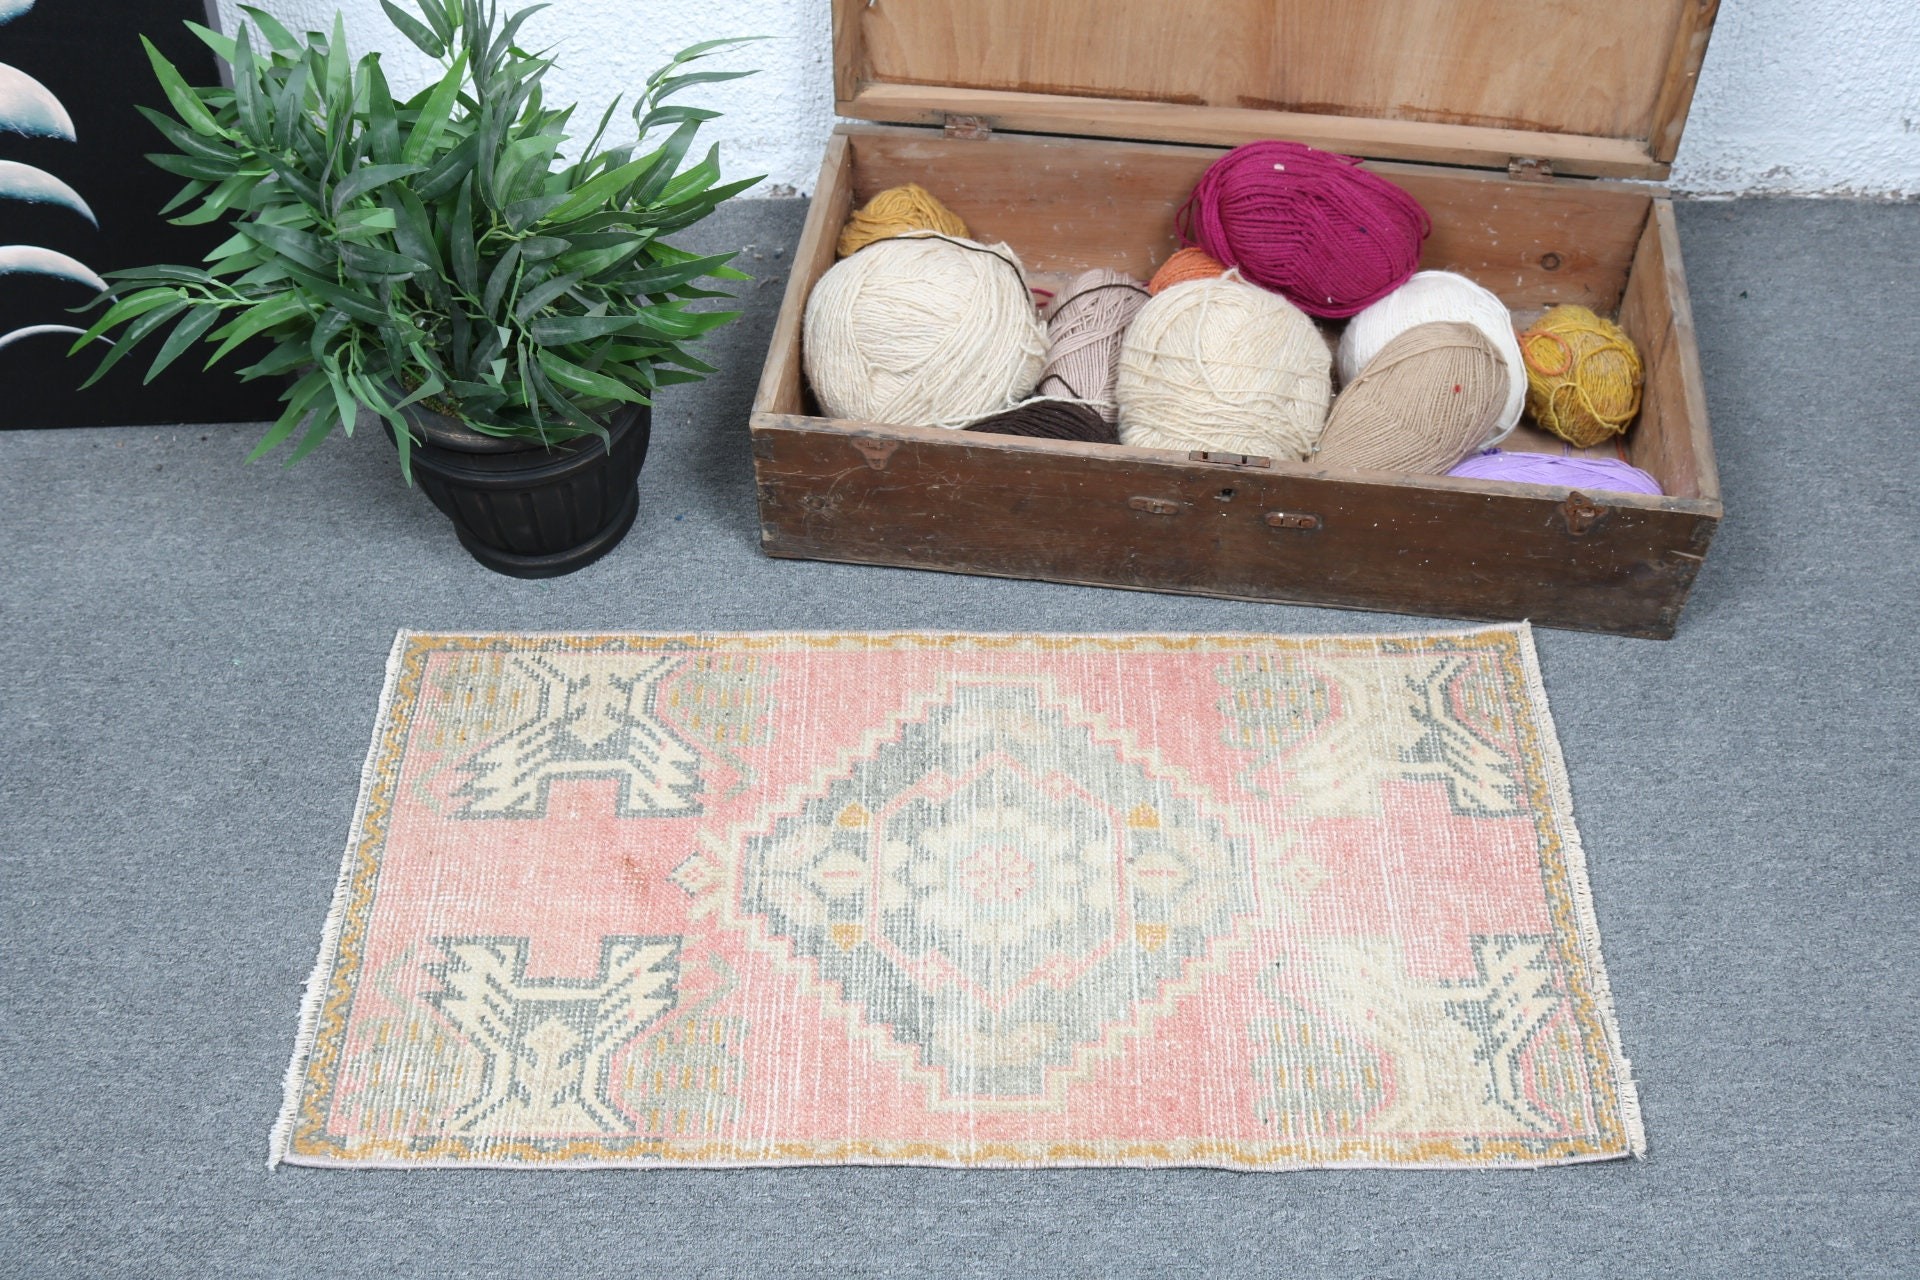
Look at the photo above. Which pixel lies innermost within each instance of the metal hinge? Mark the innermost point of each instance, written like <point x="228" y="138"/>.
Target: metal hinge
<point x="1530" y="169"/>
<point x="968" y="127"/>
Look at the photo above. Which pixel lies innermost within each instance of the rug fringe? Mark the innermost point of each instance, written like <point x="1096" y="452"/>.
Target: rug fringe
<point x="314" y="997"/>
<point x="1585" y="921"/>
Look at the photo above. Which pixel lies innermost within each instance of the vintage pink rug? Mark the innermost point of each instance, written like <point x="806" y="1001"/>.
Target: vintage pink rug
<point x="1256" y="902"/>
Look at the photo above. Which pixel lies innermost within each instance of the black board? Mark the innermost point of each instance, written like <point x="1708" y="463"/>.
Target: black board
<point x="87" y="58"/>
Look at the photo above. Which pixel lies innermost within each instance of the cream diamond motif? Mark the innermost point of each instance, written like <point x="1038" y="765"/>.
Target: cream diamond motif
<point x="1001" y="883"/>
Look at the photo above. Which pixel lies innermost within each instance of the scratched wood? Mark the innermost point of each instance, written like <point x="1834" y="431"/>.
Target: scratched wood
<point x="1599" y="86"/>
<point x="919" y="498"/>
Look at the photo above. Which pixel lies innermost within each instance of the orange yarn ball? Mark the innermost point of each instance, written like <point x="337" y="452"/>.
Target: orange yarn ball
<point x="1188" y="264"/>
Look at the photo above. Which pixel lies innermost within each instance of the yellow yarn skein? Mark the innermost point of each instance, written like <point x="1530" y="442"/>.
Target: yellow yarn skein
<point x="1583" y="375"/>
<point x="896" y="211"/>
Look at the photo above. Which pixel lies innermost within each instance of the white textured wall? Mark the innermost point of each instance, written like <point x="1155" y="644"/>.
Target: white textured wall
<point x="1798" y="96"/>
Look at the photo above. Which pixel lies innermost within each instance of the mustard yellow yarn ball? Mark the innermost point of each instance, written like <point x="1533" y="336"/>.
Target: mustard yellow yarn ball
<point x="896" y="211"/>
<point x="1583" y="375"/>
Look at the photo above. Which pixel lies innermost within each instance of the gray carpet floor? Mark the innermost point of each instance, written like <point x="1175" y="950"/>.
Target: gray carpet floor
<point x="190" y="654"/>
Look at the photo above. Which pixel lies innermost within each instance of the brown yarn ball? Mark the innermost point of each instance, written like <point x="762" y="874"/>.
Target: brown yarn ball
<point x="1187" y="264"/>
<point x="1429" y="399"/>
<point x="1051" y="420"/>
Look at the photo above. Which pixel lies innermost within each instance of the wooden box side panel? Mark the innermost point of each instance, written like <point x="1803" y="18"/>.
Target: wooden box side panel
<point x="1670" y="440"/>
<point x="920" y="498"/>
<point x="1618" y="72"/>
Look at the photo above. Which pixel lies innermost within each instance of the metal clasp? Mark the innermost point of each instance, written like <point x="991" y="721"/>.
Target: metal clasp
<point x="1292" y="520"/>
<point x="1228" y="459"/>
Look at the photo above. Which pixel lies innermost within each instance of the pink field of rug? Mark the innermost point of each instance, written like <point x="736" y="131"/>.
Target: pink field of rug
<point x="1256" y="902"/>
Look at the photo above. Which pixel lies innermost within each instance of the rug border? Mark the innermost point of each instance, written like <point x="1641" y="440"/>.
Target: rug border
<point x="1559" y="785"/>
<point x="1586" y="920"/>
<point x="314" y="996"/>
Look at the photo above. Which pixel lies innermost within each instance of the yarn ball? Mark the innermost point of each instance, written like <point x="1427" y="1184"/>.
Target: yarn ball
<point x="1430" y="296"/>
<point x="1083" y="338"/>
<point x="1308" y="224"/>
<point x="923" y="331"/>
<point x="1424" y="403"/>
<point x="1608" y="475"/>
<point x="1583" y="375"/>
<point x="1185" y="264"/>
<point x="1226" y="367"/>
<point x="896" y="211"/>
<point x="1051" y="420"/>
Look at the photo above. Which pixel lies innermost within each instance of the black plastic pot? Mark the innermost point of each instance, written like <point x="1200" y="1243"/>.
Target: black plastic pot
<point x="532" y="511"/>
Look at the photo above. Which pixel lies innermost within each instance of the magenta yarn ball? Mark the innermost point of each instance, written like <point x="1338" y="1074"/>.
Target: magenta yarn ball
<point x="1605" y="474"/>
<point x="1310" y="225"/>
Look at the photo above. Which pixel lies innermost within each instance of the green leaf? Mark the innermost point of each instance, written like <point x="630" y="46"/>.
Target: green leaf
<point x="425" y="134"/>
<point x="560" y="331"/>
<point x="186" y="139"/>
<point x="597" y="191"/>
<point x="195" y="167"/>
<point x="415" y="30"/>
<point x="448" y="170"/>
<point x="499" y="279"/>
<point x="254" y="321"/>
<point x="186" y="103"/>
<point x="339" y="79"/>
<point x="677" y="83"/>
<point x="461" y="245"/>
<point x="572" y="377"/>
<point x="277" y="36"/>
<point x="368" y="178"/>
<point x="222" y="46"/>
<point x="295" y="246"/>
<point x="128" y="308"/>
<point x="289" y="107"/>
<point x="369" y="260"/>
<point x="383" y="119"/>
<point x="299" y="398"/>
<point x="320" y="426"/>
<point x="249" y="104"/>
<point x="184" y="335"/>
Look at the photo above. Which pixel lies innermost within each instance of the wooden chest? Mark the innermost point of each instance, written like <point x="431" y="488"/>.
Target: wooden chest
<point x="1072" y="130"/>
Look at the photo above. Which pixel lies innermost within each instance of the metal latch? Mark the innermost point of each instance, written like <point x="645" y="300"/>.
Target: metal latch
<point x="1582" y="514"/>
<point x="1228" y="459"/>
<point x="1530" y="169"/>
<point x="1293" y="520"/>
<point x="971" y="128"/>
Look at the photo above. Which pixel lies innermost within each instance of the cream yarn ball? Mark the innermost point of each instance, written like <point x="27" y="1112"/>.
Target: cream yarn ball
<point x="1431" y="296"/>
<point x="927" y="331"/>
<point x="1224" y="366"/>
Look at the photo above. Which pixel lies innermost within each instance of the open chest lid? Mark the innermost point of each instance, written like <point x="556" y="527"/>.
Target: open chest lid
<point x="1590" y="87"/>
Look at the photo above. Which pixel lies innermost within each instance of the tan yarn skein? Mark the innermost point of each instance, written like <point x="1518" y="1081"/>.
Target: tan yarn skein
<point x="1224" y="366"/>
<point x="1429" y="399"/>
<point x="895" y="212"/>
<point x="1083" y="338"/>
<point x="923" y="331"/>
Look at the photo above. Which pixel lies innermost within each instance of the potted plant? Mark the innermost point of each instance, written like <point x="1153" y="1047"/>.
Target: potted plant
<point x="439" y="264"/>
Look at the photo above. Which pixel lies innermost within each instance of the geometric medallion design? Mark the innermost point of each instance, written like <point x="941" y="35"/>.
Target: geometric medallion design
<point x="1253" y="902"/>
<point x="1000" y="883"/>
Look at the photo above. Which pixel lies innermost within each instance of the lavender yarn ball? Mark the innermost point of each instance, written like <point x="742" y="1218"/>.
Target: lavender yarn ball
<point x="1604" y="474"/>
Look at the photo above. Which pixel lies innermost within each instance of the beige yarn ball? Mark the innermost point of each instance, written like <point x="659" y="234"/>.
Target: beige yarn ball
<point x="1421" y="405"/>
<point x="1224" y="366"/>
<point x="923" y="331"/>
<point x="1431" y="296"/>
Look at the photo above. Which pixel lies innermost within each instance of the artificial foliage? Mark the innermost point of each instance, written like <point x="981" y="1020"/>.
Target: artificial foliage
<point x="441" y="250"/>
